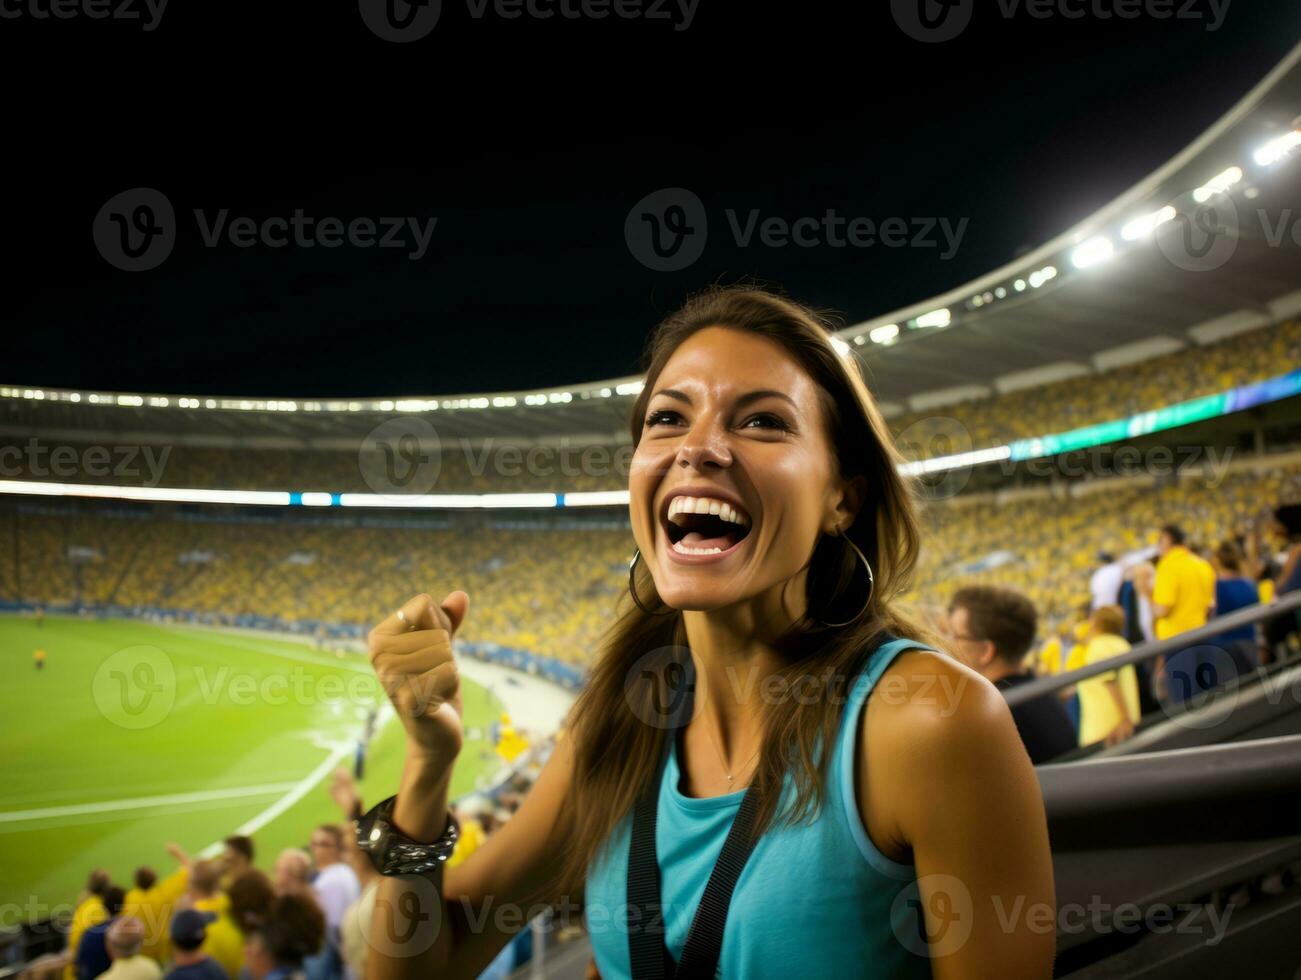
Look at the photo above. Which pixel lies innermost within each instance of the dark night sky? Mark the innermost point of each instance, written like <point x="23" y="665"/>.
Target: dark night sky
<point x="530" y="141"/>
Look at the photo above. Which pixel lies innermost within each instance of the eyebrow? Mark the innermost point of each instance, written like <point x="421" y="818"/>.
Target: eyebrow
<point x="741" y="402"/>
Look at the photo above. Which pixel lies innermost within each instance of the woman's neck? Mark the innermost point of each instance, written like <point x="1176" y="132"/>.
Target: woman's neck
<point x="733" y="657"/>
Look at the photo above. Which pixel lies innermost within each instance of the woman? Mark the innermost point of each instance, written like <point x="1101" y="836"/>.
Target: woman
<point x="773" y="535"/>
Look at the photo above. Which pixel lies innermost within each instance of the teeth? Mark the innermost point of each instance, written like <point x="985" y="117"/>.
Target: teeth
<point x="707" y="505"/>
<point x="682" y="549"/>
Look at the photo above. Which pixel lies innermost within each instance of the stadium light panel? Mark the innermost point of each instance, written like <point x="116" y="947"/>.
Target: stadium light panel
<point x="1277" y="149"/>
<point x="1218" y="184"/>
<point x="1147" y="224"/>
<point x="630" y="388"/>
<point x="596" y="498"/>
<point x="885" y="334"/>
<point x="840" y="346"/>
<point x="936" y="318"/>
<point x="1093" y="252"/>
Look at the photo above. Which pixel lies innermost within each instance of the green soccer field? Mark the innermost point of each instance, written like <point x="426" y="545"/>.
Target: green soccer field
<point x="133" y="735"/>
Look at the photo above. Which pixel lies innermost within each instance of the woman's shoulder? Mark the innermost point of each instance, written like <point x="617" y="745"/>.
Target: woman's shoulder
<point x="926" y="703"/>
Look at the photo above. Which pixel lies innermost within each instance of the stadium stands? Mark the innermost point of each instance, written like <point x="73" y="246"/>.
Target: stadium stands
<point x="548" y="585"/>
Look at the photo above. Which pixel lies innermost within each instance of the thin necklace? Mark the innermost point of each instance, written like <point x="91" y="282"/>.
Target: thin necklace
<point x="719" y="749"/>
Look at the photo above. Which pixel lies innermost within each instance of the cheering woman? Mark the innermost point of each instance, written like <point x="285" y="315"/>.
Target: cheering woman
<point x="769" y="772"/>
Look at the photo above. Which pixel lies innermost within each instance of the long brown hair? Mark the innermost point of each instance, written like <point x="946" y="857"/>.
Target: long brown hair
<point x="617" y="746"/>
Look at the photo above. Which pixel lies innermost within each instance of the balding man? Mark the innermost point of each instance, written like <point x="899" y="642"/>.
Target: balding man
<point x="293" y="872"/>
<point x="125" y="937"/>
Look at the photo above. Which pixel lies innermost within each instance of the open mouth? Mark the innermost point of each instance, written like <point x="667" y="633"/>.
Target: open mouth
<point x="704" y="525"/>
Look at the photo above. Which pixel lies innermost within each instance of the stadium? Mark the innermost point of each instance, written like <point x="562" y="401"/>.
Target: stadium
<point x="189" y="581"/>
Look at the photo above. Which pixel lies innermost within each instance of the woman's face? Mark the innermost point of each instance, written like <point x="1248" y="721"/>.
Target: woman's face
<point x="733" y="480"/>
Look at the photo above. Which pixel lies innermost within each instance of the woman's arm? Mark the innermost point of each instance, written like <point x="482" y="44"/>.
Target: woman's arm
<point x="946" y="779"/>
<point x="485" y="900"/>
<point x="453" y="923"/>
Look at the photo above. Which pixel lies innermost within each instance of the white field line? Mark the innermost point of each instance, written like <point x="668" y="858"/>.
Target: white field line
<point x="299" y="790"/>
<point x="144" y="802"/>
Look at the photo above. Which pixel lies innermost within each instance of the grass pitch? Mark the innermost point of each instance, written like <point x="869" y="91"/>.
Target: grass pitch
<point x="134" y="734"/>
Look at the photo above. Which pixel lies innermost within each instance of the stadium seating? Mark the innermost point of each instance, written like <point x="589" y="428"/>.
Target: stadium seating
<point x="549" y="586"/>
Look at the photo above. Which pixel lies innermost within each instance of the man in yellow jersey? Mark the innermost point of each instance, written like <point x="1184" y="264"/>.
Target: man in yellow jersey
<point x="1183" y="598"/>
<point x="222" y="940"/>
<point x="155" y="904"/>
<point x="90" y="911"/>
<point x="38" y="658"/>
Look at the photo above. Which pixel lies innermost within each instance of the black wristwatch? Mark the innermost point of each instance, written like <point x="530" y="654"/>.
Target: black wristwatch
<point x="394" y="854"/>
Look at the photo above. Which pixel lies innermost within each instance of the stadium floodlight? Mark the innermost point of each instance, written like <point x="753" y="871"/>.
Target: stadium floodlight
<point x="1041" y="276"/>
<point x="630" y="388"/>
<point x="1147" y="224"/>
<point x="130" y="401"/>
<point x="1277" y="149"/>
<point x="840" y="346"/>
<point x="1093" y="252"/>
<point x="935" y="318"/>
<point x="1218" y="184"/>
<point x="884" y="334"/>
<point x="860" y="340"/>
<point x="1019" y="285"/>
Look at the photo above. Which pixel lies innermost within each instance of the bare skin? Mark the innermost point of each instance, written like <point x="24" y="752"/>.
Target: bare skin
<point x="943" y="781"/>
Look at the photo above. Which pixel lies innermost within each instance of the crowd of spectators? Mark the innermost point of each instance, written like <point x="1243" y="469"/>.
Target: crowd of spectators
<point x="223" y="918"/>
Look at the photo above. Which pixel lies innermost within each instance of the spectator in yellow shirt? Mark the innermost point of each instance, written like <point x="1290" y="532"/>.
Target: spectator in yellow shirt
<point x="222" y="941"/>
<point x="90" y="911"/>
<point x="154" y="905"/>
<point x="1109" y="707"/>
<point x="1183" y="597"/>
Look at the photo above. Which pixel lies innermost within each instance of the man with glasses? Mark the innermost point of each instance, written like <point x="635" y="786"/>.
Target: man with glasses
<point x="335" y="887"/>
<point x="991" y="629"/>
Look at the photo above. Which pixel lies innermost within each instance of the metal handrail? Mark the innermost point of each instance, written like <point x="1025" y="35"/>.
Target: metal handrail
<point x="1147" y="651"/>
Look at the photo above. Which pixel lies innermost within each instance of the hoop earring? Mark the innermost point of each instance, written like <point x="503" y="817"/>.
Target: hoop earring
<point x="632" y="587"/>
<point x="871" y="585"/>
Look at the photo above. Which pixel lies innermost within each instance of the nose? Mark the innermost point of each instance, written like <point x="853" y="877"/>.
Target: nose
<point x="704" y="446"/>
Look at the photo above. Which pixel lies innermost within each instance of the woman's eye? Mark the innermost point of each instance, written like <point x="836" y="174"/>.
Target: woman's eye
<point x="662" y="417"/>
<point x="764" y="420"/>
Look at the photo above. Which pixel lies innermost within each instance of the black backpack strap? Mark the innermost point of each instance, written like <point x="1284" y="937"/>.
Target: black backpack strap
<point x="705" y="939"/>
<point x="648" y="957"/>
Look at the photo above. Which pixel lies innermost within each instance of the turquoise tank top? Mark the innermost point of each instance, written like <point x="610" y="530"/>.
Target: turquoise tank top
<point x="814" y="900"/>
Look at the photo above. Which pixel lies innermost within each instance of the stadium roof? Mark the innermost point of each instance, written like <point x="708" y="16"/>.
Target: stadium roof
<point x="1207" y="246"/>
